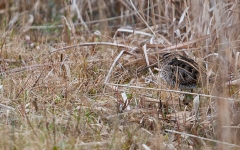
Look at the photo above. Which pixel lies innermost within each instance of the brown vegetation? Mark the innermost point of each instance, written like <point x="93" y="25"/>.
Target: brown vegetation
<point x="70" y="74"/>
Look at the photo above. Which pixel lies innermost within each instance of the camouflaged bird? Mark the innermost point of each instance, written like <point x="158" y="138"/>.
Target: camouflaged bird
<point x="179" y="71"/>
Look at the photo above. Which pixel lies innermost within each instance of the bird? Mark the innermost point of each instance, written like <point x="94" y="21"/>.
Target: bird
<point x="180" y="71"/>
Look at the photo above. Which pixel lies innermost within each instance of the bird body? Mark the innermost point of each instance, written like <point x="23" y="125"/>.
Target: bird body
<point x="179" y="71"/>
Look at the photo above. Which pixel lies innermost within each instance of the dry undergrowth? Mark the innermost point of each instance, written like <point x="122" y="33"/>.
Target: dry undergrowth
<point x="70" y="75"/>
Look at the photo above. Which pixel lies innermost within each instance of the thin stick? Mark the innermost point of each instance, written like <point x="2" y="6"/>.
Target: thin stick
<point x="7" y="107"/>
<point x="113" y="64"/>
<point x="146" y="58"/>
<point x="180" y="45"/>
<point x="216" y="141"/>
<point x="175" y="91"/>
<point x="93" y="44"/>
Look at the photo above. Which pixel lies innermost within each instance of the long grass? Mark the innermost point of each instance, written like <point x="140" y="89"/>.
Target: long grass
<point x="70" y="79"/>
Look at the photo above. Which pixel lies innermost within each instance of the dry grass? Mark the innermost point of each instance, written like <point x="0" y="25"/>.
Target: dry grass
<point x="69" y="74"/>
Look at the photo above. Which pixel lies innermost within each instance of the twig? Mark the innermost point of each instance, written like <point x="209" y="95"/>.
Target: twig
<point x="7" y="107"/>
<point x="113" y="64"/>
<point x="216" y="141"/>
<point x="231" y="127"/>
<point x="94" y="44"/>
<point x="175" y="91"/>
<point x="146" y="58"/>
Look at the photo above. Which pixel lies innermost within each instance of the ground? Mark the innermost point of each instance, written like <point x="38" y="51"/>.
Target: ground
<point x="70" y="74"/>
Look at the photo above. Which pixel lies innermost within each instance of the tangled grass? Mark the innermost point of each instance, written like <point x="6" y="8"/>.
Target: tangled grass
<point x="70" y="74"/>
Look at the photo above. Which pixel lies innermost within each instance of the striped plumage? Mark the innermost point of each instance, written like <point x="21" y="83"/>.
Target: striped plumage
<point x="179" y="71"/>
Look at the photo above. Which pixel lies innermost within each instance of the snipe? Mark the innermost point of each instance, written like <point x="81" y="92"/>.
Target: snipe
<point x="179" y="71"/>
